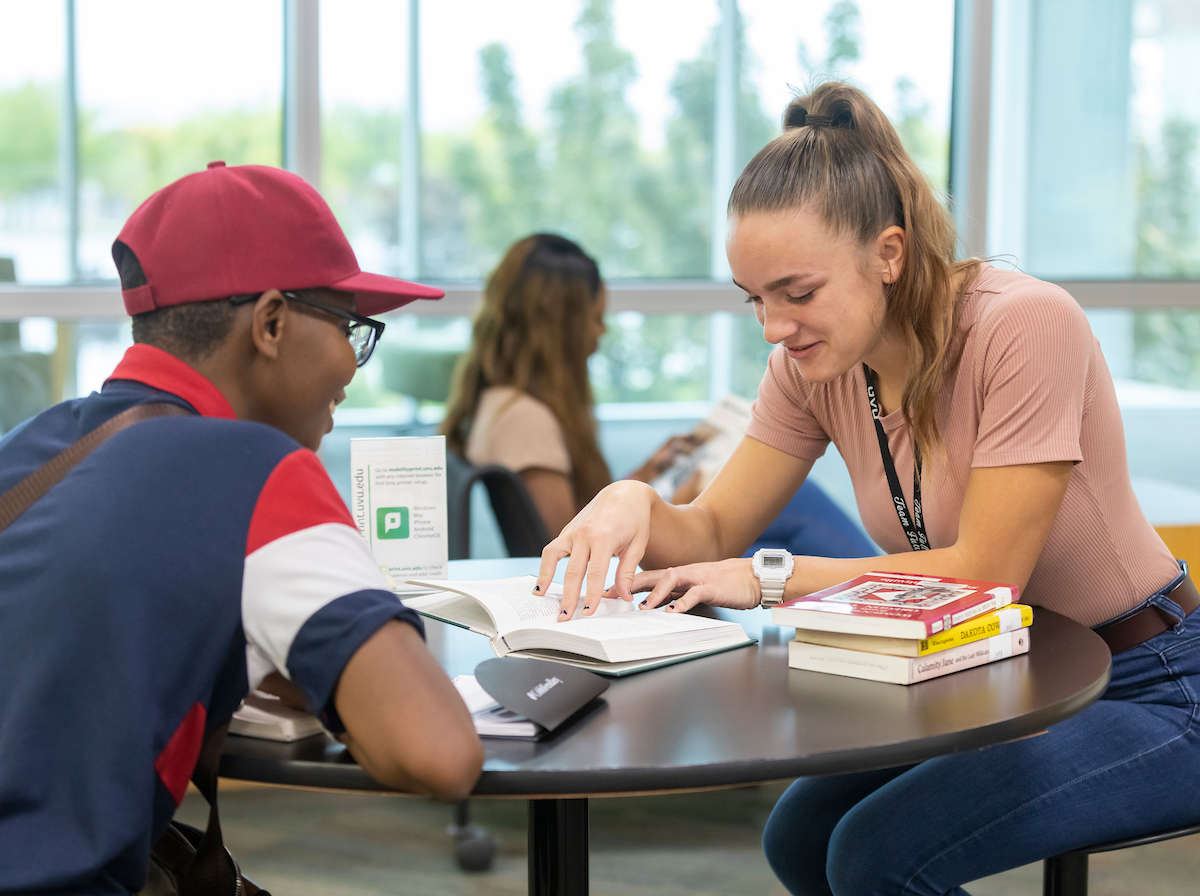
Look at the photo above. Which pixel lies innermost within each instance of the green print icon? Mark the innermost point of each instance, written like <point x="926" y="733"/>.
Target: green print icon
<point x="391" y="522"/>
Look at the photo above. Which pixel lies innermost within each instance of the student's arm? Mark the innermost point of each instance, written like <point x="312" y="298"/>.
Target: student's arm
<point x="405" y="723"/>
<point x="1006" y="517"/>
<point x="630" y="521"/>
<point x="552" y="496"/>
<point x="316" y="607"/>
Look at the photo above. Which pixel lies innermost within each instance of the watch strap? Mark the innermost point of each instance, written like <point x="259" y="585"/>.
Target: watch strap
<point x="772" y="593"/>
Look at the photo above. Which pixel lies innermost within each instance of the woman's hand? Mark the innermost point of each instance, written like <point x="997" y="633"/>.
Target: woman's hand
<point x="725" y="583"/>
<point x="616" y="523"/>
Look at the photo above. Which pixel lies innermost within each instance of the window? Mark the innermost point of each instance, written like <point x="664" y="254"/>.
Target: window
<point x="1096" y="138"/>
<point x="152" y="108"/>
<point x="33" y="222"/>
<point x="1095" y="160"/>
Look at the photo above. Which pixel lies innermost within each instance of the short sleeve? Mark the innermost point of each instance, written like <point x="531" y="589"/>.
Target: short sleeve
<point x="1031" y="375"/>
<point x="312" y="594"/>
<point x="519" y="432"/>
<point x="782" y="416"/>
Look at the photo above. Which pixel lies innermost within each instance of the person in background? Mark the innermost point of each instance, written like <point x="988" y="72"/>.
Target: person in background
<point x="522" y="399"/>
<point x="521" y="396"/>
<point x="980" y="399"/>
<point x="190" y="557"/>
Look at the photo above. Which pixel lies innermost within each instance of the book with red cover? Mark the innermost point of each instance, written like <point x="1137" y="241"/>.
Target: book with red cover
<point x="894" y="605"/>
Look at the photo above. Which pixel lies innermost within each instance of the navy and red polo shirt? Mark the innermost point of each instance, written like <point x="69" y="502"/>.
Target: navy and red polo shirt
<point x="174" y="568"/>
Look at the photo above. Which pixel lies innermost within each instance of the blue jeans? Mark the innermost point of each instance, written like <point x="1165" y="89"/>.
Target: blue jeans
<point x="1127" y="765"/>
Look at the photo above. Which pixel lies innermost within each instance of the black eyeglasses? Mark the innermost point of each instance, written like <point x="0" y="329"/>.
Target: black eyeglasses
<point x="363" y="332"/>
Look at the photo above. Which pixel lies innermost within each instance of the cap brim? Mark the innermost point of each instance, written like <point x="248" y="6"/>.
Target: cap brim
<point x="377" y="294"/>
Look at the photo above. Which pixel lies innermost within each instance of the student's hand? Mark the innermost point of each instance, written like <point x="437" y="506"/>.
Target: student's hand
<point x="725" y="583"/>
<point x="616" y="523"/>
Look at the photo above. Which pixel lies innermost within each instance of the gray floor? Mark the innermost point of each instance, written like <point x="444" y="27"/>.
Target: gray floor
<point x="304" y="843"/>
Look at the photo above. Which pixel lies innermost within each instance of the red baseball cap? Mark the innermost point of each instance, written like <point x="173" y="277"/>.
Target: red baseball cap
<point x="235" y="230"/>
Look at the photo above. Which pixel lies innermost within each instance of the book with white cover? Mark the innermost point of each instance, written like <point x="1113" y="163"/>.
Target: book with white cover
<point x="904" y="669"/>
<point x="264" y="715"/>
<point x="618" y="639"/>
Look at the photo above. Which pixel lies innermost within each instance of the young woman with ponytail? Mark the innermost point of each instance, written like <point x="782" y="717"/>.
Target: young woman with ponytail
<point x="986" y="393"/>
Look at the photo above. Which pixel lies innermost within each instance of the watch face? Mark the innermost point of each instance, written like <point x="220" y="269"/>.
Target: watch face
<point x="772" y="561"/>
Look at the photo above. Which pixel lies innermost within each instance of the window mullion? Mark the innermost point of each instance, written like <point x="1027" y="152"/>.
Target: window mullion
<point x="68" y="144"/>
<point x="970" y="120"/>
<point x="302" y="89"/>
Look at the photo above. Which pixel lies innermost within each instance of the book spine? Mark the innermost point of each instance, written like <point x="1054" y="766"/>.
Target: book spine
<point x="885" y="626"/>
<point x="905" y="670"/>
<point x="851" y="663"/>
<point x="998" y="622"/>
<point x="997" y="647"/>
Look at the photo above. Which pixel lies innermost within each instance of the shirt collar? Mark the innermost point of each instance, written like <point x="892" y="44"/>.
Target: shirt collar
<point x="159" y="370"/>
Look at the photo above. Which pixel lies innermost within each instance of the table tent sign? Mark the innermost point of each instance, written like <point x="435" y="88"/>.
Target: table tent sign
<point x="398" y="500"/>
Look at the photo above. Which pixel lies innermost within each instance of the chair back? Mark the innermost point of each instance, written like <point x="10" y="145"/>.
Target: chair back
<point x="517" y="516"/>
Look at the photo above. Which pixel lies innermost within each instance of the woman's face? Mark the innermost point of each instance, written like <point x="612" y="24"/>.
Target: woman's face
<point x="818" y="293"/>
<point x="596" y="327"/>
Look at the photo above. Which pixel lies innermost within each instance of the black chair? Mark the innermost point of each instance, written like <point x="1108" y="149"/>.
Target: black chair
<point x="1067" y="874"/>
<point x="524" y="535"/>
<point x="520" y="523"/>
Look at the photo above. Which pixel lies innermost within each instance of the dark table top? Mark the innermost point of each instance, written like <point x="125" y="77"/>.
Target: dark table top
<point x="737" y="718"/>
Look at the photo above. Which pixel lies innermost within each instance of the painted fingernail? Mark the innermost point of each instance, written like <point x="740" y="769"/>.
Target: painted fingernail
<point x="563" y="613"/>
<point x="646" y="601"/>
<point x="537" y="588"/>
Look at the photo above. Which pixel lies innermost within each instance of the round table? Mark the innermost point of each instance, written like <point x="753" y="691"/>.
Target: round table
<point x="731" y="719"/>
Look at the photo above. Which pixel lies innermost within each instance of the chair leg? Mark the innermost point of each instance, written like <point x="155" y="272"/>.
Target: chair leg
<point x="474" y="847"/>
<point x="1065" y="875"/>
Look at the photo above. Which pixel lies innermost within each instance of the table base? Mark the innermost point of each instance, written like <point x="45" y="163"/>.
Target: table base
<point x="558" y="847"/>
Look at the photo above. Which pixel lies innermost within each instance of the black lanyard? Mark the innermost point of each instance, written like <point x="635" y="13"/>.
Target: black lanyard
<point x="914" y="526"/>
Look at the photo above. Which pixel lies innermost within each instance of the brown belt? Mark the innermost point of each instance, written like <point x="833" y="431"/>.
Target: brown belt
<point x="1149" y="620"/>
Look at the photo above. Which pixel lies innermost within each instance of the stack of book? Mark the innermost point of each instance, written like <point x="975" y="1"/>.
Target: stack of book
<point x="905" y="628"/>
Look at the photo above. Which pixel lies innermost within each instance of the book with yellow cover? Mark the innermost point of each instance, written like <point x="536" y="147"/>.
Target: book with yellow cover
<point x="999" y="622"/>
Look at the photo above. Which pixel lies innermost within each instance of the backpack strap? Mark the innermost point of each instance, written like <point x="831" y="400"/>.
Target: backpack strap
<point x="213" y="870"/>
<point x="33" y="487"/>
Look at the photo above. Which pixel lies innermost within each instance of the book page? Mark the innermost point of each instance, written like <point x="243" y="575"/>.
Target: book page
<point x="638" y="623"/>
<point x="511" y="603"/>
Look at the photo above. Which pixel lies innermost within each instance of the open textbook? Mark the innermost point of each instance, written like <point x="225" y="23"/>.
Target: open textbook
<point x="618" y="639"/>
<point x="715" y="438"/>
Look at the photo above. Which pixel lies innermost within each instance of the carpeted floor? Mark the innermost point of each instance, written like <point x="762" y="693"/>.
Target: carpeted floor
<point x="305" y="843"/>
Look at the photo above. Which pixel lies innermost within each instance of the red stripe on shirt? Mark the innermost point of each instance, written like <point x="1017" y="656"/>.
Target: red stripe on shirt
<point x="297" y="495"/>
<point x="177" y="761"/>
<point x="163" y="371"/>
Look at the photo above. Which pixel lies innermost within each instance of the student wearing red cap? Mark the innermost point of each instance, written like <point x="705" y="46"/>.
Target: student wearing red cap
<point x="190" y="556"/>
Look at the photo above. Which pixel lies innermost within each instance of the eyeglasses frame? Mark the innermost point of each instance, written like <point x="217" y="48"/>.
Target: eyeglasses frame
<point x="377" y="326"/>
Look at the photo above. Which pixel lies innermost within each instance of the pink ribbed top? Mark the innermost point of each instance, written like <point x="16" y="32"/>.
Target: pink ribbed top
<point x="1031" y="387"/>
